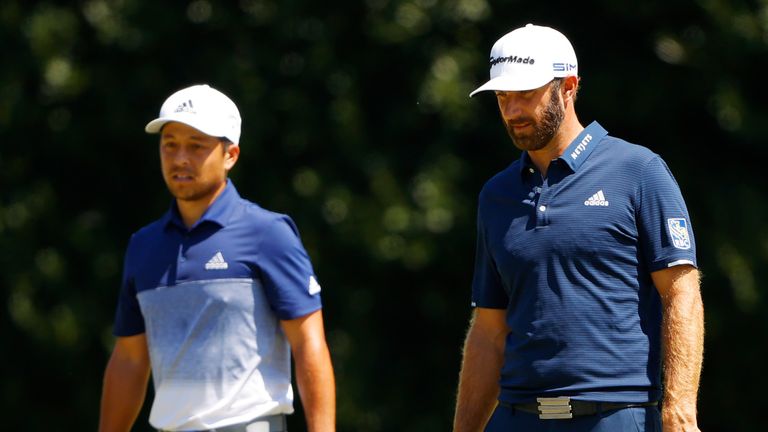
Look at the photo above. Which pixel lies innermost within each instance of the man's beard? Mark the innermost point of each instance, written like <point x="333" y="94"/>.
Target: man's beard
<point x="544" y="131"/>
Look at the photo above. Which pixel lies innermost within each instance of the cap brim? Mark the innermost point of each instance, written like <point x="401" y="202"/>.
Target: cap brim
<point x="512" y="83"/>
<point x="157" y="124"/>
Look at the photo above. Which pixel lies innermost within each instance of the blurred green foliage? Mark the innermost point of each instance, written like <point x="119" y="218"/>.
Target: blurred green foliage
<point x="357" y="124"/>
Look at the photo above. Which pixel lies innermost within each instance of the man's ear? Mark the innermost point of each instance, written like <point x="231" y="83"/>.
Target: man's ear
<point x="231" y="154"/>
<point x="570" y="88"/>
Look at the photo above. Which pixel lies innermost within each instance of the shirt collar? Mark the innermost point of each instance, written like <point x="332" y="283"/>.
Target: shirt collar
<point x="577" y="151"/>
<point x="526" y="164"/>
<point x="219" y="212"/>
<point x="581" y="147"/>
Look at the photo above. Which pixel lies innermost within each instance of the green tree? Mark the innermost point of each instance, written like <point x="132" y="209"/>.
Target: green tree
<point x="356" y="123"/>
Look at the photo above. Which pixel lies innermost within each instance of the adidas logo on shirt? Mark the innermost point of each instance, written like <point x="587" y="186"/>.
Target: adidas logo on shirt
<point x="597" y="199"/>
<point x="216" y="263"/>
<point x="314" y="287"/>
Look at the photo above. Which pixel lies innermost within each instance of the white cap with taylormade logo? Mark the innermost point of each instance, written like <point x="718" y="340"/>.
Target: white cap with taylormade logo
<point x="203" y="108"/>
<point x="529" y="57"/>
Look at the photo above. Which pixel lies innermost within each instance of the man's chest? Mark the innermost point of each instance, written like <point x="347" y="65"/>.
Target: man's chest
<point x="573" y="217"/>
<point x="189" y="257"/>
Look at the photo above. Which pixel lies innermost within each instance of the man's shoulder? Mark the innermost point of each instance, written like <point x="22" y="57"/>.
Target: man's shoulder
<point x="255" y="220"/>
<point x="151" y="229"/>
<point x="252" y="213"/>
<point x="621" y="150"/>
<point x="621" y="160"/>
<point x="148" y="237"/>
<point x="503" y="180"/>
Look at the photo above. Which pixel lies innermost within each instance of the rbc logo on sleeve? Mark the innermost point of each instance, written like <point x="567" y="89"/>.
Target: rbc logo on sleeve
<point x="678" y="231"/>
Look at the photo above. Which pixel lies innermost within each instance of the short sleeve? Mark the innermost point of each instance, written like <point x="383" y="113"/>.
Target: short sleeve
<point x="487" y="290"/>
<point x="287" y="275"/>
<point x="129" y="320"/>
<point x="664" y="226"/>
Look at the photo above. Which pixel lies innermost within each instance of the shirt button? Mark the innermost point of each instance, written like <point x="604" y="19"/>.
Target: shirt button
<point x="530" y="170"/>
<point x="542" y="208"/>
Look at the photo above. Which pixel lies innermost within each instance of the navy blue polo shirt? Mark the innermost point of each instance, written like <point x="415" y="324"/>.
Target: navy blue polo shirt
<point x="234" y="239"/>
<point x="209" y="299"/>
<point x="570" y="258"/>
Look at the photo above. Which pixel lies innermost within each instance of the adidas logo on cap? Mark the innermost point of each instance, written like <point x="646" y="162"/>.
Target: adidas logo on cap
<point x="185" y="107"/>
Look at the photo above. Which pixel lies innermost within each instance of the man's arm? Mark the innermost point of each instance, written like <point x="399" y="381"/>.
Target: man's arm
<point x="125" y="384"/>
<point x="480" y="369"/>
<point x="314" y="372"/>
<point x="682" y="344"/>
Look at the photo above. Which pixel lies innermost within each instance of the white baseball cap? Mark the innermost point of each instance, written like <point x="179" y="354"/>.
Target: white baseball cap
<point x="203" y="108"/>
<point x="529" y="57"/>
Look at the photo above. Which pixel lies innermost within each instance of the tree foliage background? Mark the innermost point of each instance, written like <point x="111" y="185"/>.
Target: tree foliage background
<point x="357" y="124"/>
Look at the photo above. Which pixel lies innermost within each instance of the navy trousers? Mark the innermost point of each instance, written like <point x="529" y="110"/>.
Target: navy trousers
<point x="641" y="419"/>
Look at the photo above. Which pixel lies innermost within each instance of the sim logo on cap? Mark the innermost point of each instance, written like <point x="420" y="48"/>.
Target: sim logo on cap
<point x="563" y="67"/>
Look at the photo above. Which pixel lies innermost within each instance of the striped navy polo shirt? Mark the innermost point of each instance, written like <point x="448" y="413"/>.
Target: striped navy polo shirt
<point x="570" y="258"/>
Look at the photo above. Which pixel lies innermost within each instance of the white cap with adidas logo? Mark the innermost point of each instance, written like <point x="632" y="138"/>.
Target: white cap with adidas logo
<point x="203" y="108"/>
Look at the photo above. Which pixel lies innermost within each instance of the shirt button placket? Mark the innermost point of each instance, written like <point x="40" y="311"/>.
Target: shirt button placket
<point x="542" y="211"/>
<point x="181" y="273"/>
<point x="183" y="247"/>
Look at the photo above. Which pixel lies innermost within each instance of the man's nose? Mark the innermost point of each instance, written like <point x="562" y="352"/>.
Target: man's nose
<point x="510" y="107"/>
<point x="181" y="156"/>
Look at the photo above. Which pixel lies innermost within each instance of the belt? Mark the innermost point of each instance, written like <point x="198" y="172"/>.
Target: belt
<point x="555" y="408"/>
<point x="274" y="423"/>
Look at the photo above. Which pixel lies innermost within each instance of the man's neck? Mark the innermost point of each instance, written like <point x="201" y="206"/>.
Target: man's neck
<point x="192" y="210"/>
<point x="568" y="131"/>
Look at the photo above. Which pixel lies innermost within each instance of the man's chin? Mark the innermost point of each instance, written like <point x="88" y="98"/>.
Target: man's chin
<point x="183" y="193"/>
<point x="524" y="143"/>
<point x="191" y="195"/>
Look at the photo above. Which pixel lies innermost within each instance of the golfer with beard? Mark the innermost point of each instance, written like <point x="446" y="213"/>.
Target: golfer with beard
<point x="587" y="310"/>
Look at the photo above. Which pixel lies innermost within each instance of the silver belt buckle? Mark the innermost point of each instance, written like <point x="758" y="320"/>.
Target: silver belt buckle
<point x="554" y="408"/>
<point x="259" y="426"/>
